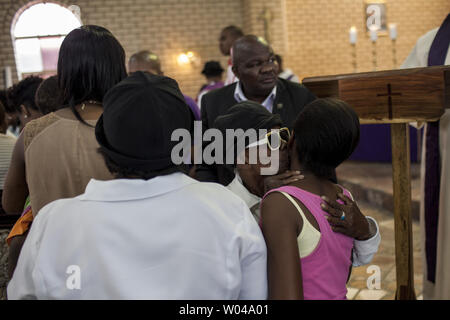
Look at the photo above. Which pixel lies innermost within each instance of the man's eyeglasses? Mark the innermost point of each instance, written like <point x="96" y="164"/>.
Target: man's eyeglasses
<point x="273" y="139"/>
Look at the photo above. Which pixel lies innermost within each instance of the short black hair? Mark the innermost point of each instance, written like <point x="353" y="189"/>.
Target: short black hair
<point x="2" y="114"/>
<point x="246" y="44"/>
<point x="91" y="61"/>
<point x="23" y="93"/>
<point x="146" y="61"/>
<point x="326" y="133"/>
<point x="49" y="97"/>
<point x="4" y="101"/>
<point x="236" y="32"/>
<point x="121" y="172"/>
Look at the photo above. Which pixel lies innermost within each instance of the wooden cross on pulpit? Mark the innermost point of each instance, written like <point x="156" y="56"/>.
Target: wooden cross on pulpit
<point x="389" y="94"/>
<point x="396" y="97"/>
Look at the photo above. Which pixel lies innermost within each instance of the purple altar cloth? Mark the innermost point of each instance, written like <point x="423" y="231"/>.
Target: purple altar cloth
<point x="375" y="144"/>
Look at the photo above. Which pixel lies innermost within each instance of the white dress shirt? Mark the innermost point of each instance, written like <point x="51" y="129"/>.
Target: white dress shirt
<point x="231" y="78"/>
<point x="252" y="201"/>
<point x="267" y="103"/>
<point x="363" y="251"/>
<point x="169" y="237"/>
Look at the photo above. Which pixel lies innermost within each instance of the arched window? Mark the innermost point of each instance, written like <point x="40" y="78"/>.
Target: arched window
<point x="37" y="35"/>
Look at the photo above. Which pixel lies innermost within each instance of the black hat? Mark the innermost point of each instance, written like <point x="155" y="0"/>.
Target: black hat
<point x="140" y="114"/>
<point x="248" y="115"/>
<point x="212" y="68"/>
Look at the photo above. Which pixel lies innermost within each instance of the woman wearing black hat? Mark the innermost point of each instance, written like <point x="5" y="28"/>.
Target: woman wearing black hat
<point x="213" y="73"/>
<point x="59" y="150"/>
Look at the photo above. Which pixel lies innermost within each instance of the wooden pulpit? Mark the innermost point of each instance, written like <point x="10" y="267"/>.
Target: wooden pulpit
<point x="396" y="97"/>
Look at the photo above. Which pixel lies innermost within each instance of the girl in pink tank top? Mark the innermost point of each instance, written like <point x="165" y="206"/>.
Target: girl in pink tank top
<point x="326" y="269"/>
<point x="325" y="134"/>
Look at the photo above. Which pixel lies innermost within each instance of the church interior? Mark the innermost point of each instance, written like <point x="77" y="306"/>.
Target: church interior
<point x="316" y="39"/>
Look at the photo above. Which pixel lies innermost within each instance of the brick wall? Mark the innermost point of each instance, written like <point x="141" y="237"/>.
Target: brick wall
<point x="318" y="33"/>
<point x="167" y="27"/>
<point x="312" y="35"/>
<point x="253" y="12"/>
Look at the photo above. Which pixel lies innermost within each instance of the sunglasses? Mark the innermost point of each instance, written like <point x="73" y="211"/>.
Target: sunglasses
<point x="273" y="139"/>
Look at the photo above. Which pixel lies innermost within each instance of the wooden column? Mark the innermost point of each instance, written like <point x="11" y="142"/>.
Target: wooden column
<point x="401" y="172"/>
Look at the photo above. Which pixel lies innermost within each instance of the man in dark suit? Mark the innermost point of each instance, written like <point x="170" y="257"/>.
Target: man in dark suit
<point x="255" y="65"/>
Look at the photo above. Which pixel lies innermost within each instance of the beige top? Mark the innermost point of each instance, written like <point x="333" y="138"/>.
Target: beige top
<point x="61" y="156"/>
<point x="7" y="144"/>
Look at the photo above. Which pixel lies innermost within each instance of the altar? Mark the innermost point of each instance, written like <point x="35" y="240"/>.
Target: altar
<point x="375" y="144"/>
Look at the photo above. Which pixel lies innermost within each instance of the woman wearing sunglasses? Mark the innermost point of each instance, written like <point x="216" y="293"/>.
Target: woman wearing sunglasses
<point x="307" y="257"/>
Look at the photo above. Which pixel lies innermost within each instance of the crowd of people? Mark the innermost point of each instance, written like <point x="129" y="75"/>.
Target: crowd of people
<point x="107" y="214"/>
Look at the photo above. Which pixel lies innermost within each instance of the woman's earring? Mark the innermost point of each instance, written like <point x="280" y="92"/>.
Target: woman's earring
<point x="25" y="116"/>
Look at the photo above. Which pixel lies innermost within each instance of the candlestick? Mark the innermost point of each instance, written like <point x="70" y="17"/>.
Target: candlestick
<point x="354" y="60"/>
<point x="374" y="55"/>
<point x="394" y="54"/>
<point x="373" y="37"/>
<point x="353" y="35"/>
<point x="393" y="36"/>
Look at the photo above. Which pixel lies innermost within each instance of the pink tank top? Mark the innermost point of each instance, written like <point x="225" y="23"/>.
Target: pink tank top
<point x="325" y="270"/>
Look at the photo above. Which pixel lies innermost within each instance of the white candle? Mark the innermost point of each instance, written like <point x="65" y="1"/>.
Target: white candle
<point x="373" y="34"/>
<point x="353" y="35"/>
<point x="8" y="77"/>
<point x="393" y="31"/>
